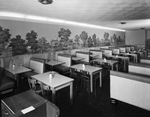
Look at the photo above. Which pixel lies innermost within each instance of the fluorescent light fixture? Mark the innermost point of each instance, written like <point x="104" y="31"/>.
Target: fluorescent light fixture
<point x="11" y="14"/>
<point x="46" y="19"/>
<point x="55" y="20"/>
<point x="91" y="26"/>
<point x="32" y="17"/>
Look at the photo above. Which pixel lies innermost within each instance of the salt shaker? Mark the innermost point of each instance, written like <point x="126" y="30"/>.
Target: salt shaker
<point x="50" y="76"/>
<point x="83" y="66"/>
<point x="13" y="66"/>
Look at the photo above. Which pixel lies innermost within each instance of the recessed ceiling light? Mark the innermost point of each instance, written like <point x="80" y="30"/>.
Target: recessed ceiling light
<point x="123" y="22"/>
<point x="46" y="1"/>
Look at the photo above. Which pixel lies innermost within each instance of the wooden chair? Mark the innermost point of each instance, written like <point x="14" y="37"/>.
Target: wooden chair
<point x="37" y="66"/>
<point x="94" y="63"/>
<point x="77" y="80"/>
<point x="85" y="78"/>
<point x="120" y="64"/>
<point x="106" y="69"/>
<point x="45" y="87"/>
<point x="34" y="85"/>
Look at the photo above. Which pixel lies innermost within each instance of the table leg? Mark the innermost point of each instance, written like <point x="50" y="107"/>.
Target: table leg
<point x="53" y="95"/>
<point x="117" y="66"/>
<point x="124" y="64"/>
<point x="91" y="83"/>
<point x="112" y="67"/>
<point x="71" y="93"/>
<point x="51" y="69"/>
<point x="17" y="80"/>
<point x="100" y="79"/>
<point x="136" y="59"/>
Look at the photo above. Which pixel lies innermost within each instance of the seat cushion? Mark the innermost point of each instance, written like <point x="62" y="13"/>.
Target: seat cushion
<point x="28" y="74"/>
<point x="61" y="69"/>
<point x="6" y="83"/>
<point x="83" y="62"/>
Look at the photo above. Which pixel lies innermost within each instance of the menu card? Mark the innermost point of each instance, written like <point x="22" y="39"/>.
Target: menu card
<point x="26" y="110"/>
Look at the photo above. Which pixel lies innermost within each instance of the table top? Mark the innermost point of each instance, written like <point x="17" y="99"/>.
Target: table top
<point x="27" y="101"/>
<point x="132" y="54"/>
<point x="121" y="57"/>
<point x="87" y="68"/>
<point x="77" y="58"/>
<point x="56" y="81"/>
<point x="18" y="69"/>
<point x="107" y="61"/>
<point x="23" y="100"/>
<point x="53" y="63"/>
<point x="94" y="55"/>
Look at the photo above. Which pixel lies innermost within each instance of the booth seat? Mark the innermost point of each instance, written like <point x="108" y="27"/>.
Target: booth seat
<point x="139" y="68"/>
<point x="64" y="68"/>
<point x="130" y="88"/>
<point x="146" y="61"/>
<point x="37" y="66"/>
<point x="96" y="52"/>
<point x="115" y="51"/>
<point x="106" y="52"/>
<point x="7" y="84"/>
<point x="84" y="55"/>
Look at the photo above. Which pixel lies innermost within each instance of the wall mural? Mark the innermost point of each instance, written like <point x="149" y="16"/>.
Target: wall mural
<point x="31" y="44"/>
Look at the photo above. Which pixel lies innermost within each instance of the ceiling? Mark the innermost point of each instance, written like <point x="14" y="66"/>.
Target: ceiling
<point x="107" y="13"/>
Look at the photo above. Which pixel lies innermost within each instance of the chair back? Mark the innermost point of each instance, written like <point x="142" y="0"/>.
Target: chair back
<point x="120" y="60"/>
<point x="105" y="65"/>
<point x="94" y="63"/>
<point x="85" y="74"/>
<point x="31" y="82"/>
<point x="74" y="72"/>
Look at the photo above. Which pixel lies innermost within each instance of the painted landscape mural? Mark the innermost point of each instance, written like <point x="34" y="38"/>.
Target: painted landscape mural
<point x="31" y="43"/>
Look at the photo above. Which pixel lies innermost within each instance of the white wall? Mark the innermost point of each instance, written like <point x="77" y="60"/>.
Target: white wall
<point x="135" y="37"/>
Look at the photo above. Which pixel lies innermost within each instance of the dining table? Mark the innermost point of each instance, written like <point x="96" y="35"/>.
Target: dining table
<point x="124" y="58"/>
<point x="110" y="62"/>
<point x="53" y="63"/>
<point x="91" y="70"/>
<point x="77" y="58"/>
<point x="94" y="55"/>
<point x="56" y="82"/>
<point x="28" y="104"/>
<point x="135" y="57"/>
<point x="16" y="70"/>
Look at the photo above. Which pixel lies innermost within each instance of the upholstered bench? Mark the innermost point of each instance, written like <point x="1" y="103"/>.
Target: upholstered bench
<point x="96" y="52"/>
<point x="37" y="66"/>
<point x="7" y="84"/>
<point x="84" y="55"/>
<point x="146" y="61"/>
<point x="130" y="88"/>
<point x="139" y="68"/>
<point x="64" y="68"/>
